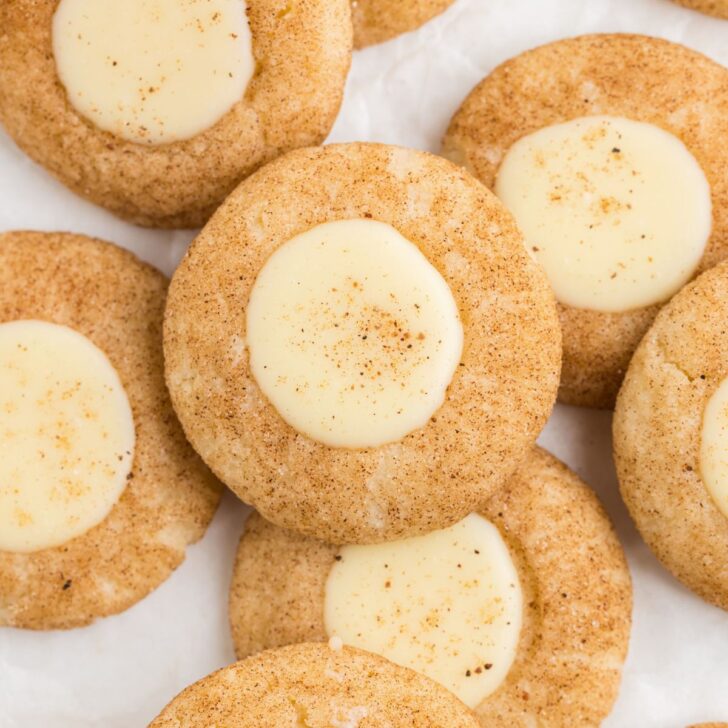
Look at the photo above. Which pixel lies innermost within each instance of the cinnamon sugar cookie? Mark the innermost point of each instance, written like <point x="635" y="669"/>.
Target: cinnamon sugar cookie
<point x="358" y="344"/>
<point x="378" y="20"/>
<point x="213" y="90"/>
<point x="718" y="8"/>
<point x="101" y="491"/>
<point x="528" y="624"/>
<point x="611" y="152"/>
<point x="316" y="686"/>
<point x="671" y="436"/>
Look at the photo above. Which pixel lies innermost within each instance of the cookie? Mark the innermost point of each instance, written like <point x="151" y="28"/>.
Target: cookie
<point x="214" y="89"/>
<point x="103" y="492"/>
<point x="317" y="686"/>
<point x="358" y="345"/>
<point x="574" y="609"/>
<point x="718" y="8"/>
<point x="378" y="20"/>
<point x="670" y="436"/>
<point x="647" y="122"/>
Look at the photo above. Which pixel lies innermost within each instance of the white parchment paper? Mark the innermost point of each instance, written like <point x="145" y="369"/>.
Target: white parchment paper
<point x="119" y="672"/>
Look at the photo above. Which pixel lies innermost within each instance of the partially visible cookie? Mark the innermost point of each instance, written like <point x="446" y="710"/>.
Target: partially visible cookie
<point x="574" y="583"/>
<point x="160" y="131"/>
<point x="378" y="20"/>
<point x="718" y="8"/>
<point x="96" y="293"/>
<point x="644" y="84"/>
<point x="670" y="429"/>
<point x="316" y="686"/>
<point x="292" y="417"/>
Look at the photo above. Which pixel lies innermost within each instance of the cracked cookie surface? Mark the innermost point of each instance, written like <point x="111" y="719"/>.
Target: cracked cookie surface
<point x="378" y="20"/>
<point x="576" y="591"/>
<point x="111" y="297"/>
<point x="638" y="77"/>
<point x="657" y="435"/>
<point x="496" y="403"/>
<point x="302" y="53"/>
<point x="717" y="8"/>
<point x="315" y="686"/>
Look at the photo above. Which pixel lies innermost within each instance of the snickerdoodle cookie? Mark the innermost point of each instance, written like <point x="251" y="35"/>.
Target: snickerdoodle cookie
<point x="718" y="8"/>
<point x="378" y="20"/>
<point x="671" y="436"/>
<point x="157" y="109"/>
<point x="316" y="686"/>
<point x="358" y="344"/>
<point x="522" y="610"/>
<point x="101" y="492"/>
<point x="610" y="150"/>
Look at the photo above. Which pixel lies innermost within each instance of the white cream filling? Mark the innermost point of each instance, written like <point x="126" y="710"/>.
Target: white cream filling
<point x="153" y="71"/>
<point x="714" y="447"/>
<point x="447" y="604"/>
<point x="66" y="435"/>
<point x="618" y="212"/>
<point x="353" y="335"/>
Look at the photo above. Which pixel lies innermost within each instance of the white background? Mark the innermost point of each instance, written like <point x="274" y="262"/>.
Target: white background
<point x="121" y="671"/>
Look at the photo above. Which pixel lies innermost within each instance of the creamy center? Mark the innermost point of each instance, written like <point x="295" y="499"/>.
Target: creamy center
<point x="153" y="71"/>
<point x="353" y="335"/>
<point x="66" y="435"/>
<point x="618" y="212"/>
<point x="714" y="447"/>
<point x="447" y="604"/>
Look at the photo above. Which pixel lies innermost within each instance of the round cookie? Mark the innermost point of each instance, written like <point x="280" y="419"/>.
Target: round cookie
<point x="575" y="585"/>
<point x="709" y="725"/>
<point x="109" y="296"/>
<point x="497" y="400"/>
<point x="299" y="64"/>
<point x="378" y="20"/>
<point x="718" y="8"/>
<point x="316" y="686"/>
<point x="658" y="427"/>
<point x="641" y="78"/>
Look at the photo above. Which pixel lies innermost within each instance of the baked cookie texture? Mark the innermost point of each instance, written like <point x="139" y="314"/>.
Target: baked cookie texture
<point x="718" y="8"/>
<point x="302" y="51"/>
<point x="645" y="79"/>
<point x="378" y="20"/>
<point x="576" y="589"/>
<point x="114" y="299"/>
<point x="315" y="686"/>
<point x="657" y="434"/>
<point x="496" y="404"/>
